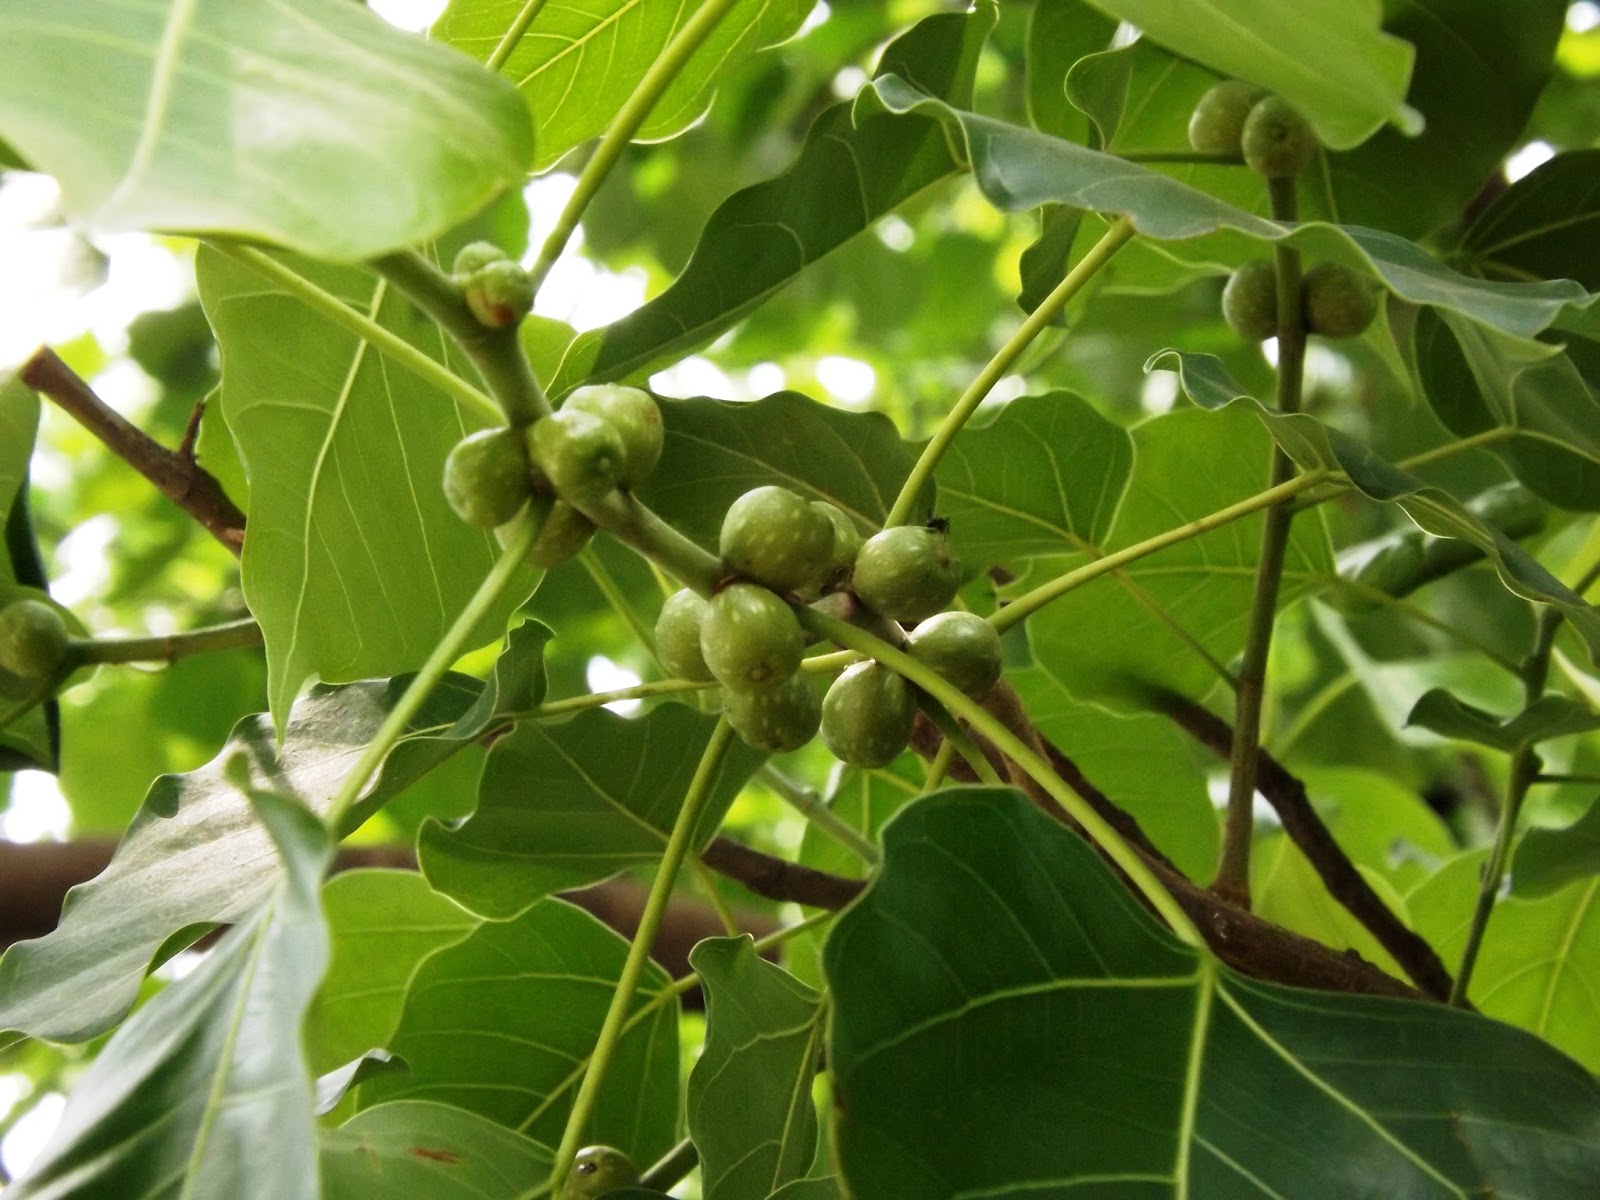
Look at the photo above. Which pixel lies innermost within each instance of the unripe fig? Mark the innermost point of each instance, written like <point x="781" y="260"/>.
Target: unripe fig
<point x="906" y="573"/>
<point x="776" y="720"/>
<point x="581" y="454"/>
<point x="499" y="294"/>
<point x="1217" y="124"/>
<point x="1339" y="303"/>
<point x="634" y="415"/>
<point x="962" y="647"/>
<point x="565" y="531"/>
<point x="597" y="1170"/>
<point x="750" y="638"/>
<point x="33" y="640"/>
<point x="473" y="257"/>
<point x="486" y="477"/>
<point x="678" y="636"/>
<point x="1277" y="141"/>
<point x="846" y="544"/>
<point x="1250" y="301"/>
<point x="773" y="536"/>
<point x="867" y="715"/>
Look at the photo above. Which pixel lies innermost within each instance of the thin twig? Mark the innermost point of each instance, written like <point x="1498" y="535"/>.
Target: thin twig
<point x="175" y="475"/>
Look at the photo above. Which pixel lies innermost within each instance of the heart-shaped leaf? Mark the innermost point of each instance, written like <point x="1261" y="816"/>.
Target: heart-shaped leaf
<point x="416" y="1148"/>
<point x="1548" y="859"/>
<point x="271" y="120"/>
<point x="1008" y="1020"/>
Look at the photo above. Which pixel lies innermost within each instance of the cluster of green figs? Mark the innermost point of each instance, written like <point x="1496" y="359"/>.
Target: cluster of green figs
<point x="1239" y="121"/>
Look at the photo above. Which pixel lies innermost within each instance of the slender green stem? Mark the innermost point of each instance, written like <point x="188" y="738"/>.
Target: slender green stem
<point x="838" y="660"/>
<point x="514" y="33"/>
<point x="1013" y="747"/>
<point x="1564" y="777"/>
<point x="672" y="59"/>
<point x="808" y="804"/>
<point x="1031" y="602"/>
<point x="1476" y="441"/>
<point x="1313" y="709"/>
<point x="1522" y="773"/>
<point x="1038" y="320"/>
<point x="614" y="597"/>
<point x="940" y="766"/>
<point x="390" y="345"/>
<point x="627" y="519"/>
<point x="496" y="353"/>
<point x="230" y="635"/>
<point x="639" y="691"/>
<point x="1233" y="867"/>
<point x="449" y="649"/>
<point x="708" y="884"/>
<point x="956" y="736"/>
<point x="1180" y="156"/>
<point x="639" y="952"/>
<point x="671" y="1168"/>
<point x="1415" y="612"/>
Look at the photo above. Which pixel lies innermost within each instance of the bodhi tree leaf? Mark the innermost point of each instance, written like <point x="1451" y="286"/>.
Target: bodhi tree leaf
<point x="502" y="1024"/>
<point x="266" y="119"/>
<point x="1316" y="446"/>
<point x="762" y="237"/>
<point x="1171" y="619"/>
<point x="1547" y="717"/>
<point x="381" y="925"/>
<point x="577" y="64"/>
<point x="178" y="1100"/>
<point x="563" y="805"/>
<point x="1328" y="58"/>
<point x="749" y="1100"/>
<point x="353" y="562"/>
<point x="1019" y="169"/>
<point x="1547" y="859"/>
<point x="1112" y="1059"/>
<point x="414" y="1148"/>
<point x="1543" y="226"/>
<point x="1539" y="964"/>
<point x="1044" y="477"/>
<point x="196" y="856"/>
<point x="716" y="450"/>
<point x="1060" y="32"/>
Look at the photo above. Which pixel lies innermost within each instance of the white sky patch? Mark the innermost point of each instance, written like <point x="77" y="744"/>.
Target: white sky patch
<point x="586" y="296"/>
<point x="32" y="1130"/>
<point x="83" y="561"/>
<point x="895" y="233"/>
<point x="43" y="281"/>
<point x="765" y="378"/>
<point x="848" y="81"/>
<point x="604" y="675"/>
<point x="546" y="197"/>
<point x="1006" y="388"/>
<point x="14" y="1089"/>
<point x="1327" y="367"/>
<point x="1269" y="351"/>
<point x="144" y="275"/>
<point x="125" y="387"/>
<point x="1262" y="813"/>
<point x="1529" y="157"/>
<point x="180" y="964"/>
<point x="1583" y="16"/>
<point x="817" y="16"/>
<point x="849" y="379"/>
<point x="694" y="376"/>
<point x="1159" y="392"/>
<point x="415" y="15"/>
<point x="37" y="812"/>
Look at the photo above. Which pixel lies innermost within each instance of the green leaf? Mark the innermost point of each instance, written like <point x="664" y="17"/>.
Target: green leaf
<point x="749" y="1101"/>
<point x="577" y="64"/>
<point x="1328" y="58"/>
<point x="1156" y="622"/>
<point x="564" y="805"/>
<point x="1543" y="226"/>
<point x="762" y="237"/>
<point x="809" y="1189"/>
<point x="1037" y="996"/>
<point x="1142" y="762"/>
<point x="316" y="126"/>
<point x="1019" y="169"/>
<point x="1547" y="717"/>
<point x="354" y="563"/>
<point x="381" y="924"/>
<point x="28" y="741"/>
<point x="1314" y="445"/>
<point x="196" y="856"/>
<point x="415" y="1148"/>
<point x="1286" y="890"/>
<point x="1476" y="379"/>
<point x="716" y="450"/>
<point x="1044" y="477"/>
<point x="1539" y="964"/>
<point x="178" y="1101"/>
<point x="1548" y="859"/>
<point x="502" y="1023"/>
<point x="1061" y="32"/>
<point x="1379" y="823"/>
